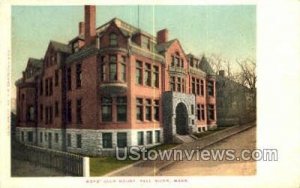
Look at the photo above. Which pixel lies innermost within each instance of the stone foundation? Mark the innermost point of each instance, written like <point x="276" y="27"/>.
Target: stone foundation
<point x="91" y="140"/>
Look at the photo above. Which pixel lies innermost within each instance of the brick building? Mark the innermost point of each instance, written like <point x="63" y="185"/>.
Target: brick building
<point x="114" y="85"/>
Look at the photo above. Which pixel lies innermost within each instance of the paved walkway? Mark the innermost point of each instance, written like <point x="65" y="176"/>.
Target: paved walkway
<point x="198" y="167"/>
<point x="151" y="168"/>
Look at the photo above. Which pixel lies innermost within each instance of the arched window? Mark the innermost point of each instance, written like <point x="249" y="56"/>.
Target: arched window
<point x="113" y="39"/>
<point x="30" y="113"/>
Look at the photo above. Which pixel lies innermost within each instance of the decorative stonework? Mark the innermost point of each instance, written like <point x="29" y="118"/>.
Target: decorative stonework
<point x="170" y="102"/>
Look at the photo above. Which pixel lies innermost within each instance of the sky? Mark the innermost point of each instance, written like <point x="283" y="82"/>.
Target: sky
<point x="228" y="31"/>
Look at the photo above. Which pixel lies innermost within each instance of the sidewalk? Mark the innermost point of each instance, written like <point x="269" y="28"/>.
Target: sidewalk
<point x="150" y="168"/>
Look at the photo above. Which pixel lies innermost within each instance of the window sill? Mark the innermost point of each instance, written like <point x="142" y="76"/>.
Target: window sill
<point x="151" y="87"/>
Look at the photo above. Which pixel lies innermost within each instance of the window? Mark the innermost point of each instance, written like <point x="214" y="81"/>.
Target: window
<point x="123" y="72"/>
<point x="78" y="111"/>
<point x="193" y="86"/>
<point x="30" y="113"/>
<point x="139" y="70"/>
<point x="140" y="138"/>
<point x="172" y="83"/>
<point x="198" y="112"/>
<point x="139" y="109"/>
<point x="112" y="67"/>
<point x="56" y="108"/>
<point x="50" y="114"/>
<point x="41" y="137"/>
<point x="202" y="87"/>
<point x="157" y="136"/>
<point x="149" y="137"/>
<point x="183" y="84"/>
<point x="156" y="76"/>
<point x="102" y="59"/>
<point x="45" y="136"/>
<point x="202" y="112"/>
<point x="41" y="112"/>
<point x="179" y="84"/>
<point x="78" y="140"/>
<point x="156" y="110"/>
<point x="121" y="108"/>
<point x="30" y="136"/>
<point x="211" y="112"/>
<point x="22" y="136"/>
<point x="69" y="111"/>
<point x="46" y="115"/>
<point x="122" y="140"/>
<point x="113" y="39"/>
<point x="107" y="140"/>
<point x="56" y="138"/>
<point x="148" y="110"/>
<point x="69" y="141"/>
<point x="106" y="109"/>
<point x="47" y="87"/>
<point x="78" y="75"/>
<point x="51" y="86"/>
<point x="56" y="78"/>
<point x="198" y="87"/>
<point x="147" y="76"/>
<point x="175" y="60"/>
<point x="210" y="88"/>
<point x="145" y="42"/>
<point x="103" y="72"/>
<point x="69" y="79"/>
<point x="41" y="87"/>
<point x="123" y="59"/>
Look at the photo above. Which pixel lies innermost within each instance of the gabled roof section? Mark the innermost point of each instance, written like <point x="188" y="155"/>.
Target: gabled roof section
<point x="205" y="66"/>
<point x="58" y="46"/>
<point x="162" y="47"/>
<point x="126" y="28"/>
<point x="33" y="62"/>
<point x="78" y="37"/>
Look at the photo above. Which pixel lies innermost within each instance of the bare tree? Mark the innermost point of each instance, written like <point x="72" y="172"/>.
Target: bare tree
<point x="218" y="63"/>
<point x="247" y="76"/>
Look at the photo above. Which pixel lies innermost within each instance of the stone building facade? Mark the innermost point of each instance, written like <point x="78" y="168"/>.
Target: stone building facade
<point x="236" y="104"/>
<point x="113" y="86"/>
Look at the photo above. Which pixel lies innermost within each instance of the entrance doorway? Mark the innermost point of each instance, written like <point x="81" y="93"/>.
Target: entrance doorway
<point x="181" y="119"/>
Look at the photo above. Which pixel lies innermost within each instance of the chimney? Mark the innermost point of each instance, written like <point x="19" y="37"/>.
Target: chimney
<point x="90" y="23"/>
<point x="162" y="36"/>
<point x="81" y="28"/>
<point x="222" y="73"/>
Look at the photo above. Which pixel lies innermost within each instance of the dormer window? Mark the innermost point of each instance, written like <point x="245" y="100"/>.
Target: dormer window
<point x="76" y="47"/>
<point x="176" y="60"/>
<point x="145" y="42"/>
<point x="113" y="39"/>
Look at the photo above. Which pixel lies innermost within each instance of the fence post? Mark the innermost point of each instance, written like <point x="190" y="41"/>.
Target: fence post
<point x="86" y="166"/>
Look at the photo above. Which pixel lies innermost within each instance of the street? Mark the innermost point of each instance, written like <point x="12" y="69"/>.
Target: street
<point x="243" y="140"/>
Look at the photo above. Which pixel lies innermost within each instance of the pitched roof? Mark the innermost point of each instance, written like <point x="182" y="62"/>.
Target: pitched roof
<point x="58" y="46"/>
<point x="38" y="63"/>
<point x="164" y="46"/>
<point x="126" y="28"/>
<point x="205" y="66"/>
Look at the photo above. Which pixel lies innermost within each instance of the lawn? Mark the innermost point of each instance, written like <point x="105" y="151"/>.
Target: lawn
<point x="100" y="166"/>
